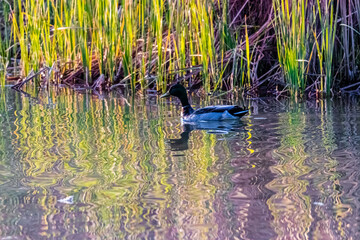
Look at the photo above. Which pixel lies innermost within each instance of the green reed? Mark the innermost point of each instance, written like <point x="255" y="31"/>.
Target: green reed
<point x="248" y="56"/>
<point x="158" y="25"/>
<point x="204" y="33"/>
<point x="291" y="27"/>
<point x="5" y="43"/>
<point x="325" y="50"/>
<point x="141" y="42"/>
<point x="137" y="38"/>
<point x="129" y="29"/>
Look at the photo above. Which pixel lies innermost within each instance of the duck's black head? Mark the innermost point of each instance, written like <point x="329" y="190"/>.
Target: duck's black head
<point x="176" y="90"/>
<point x="179" y="91"/>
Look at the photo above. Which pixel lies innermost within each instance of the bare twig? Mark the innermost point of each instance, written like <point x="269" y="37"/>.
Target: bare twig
<point x="29" y="78"/>
<point x="350" y="86"/>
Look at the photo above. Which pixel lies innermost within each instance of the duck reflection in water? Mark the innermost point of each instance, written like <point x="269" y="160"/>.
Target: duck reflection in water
<point x="211" y="127"/>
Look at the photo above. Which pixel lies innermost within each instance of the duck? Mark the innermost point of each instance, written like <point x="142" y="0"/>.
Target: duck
<point x="210" y="113"/>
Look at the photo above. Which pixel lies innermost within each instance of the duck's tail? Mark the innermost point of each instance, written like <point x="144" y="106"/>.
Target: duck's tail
<point x="241" y="113"/>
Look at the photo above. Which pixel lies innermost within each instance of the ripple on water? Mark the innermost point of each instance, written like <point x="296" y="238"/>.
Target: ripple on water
<point x="287" y="171"/>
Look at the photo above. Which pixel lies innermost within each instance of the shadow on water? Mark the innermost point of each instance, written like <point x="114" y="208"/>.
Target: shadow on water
<point x="211" y="127"/>
<point x="79" y="166"/>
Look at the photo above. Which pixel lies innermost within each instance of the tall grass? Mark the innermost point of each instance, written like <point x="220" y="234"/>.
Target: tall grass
<point x="293" y="23"/>
<point x="291" y="26"/>
<point x="131" y="41"/>
<point x="5" y="41"/>
<point x="325" y="52"/>
<point x="142" y="43"/>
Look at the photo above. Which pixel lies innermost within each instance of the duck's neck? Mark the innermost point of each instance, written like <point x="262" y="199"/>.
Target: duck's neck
<point x="187" y="109"/>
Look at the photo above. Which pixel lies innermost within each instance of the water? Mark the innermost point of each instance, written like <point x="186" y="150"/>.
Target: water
<point x="73" y="166"/>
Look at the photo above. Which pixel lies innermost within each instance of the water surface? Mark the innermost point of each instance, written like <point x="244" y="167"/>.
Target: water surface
<point x="76" y="166"/>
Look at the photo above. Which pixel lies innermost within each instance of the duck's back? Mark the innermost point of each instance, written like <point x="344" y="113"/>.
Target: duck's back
<point x="216" y="113"/>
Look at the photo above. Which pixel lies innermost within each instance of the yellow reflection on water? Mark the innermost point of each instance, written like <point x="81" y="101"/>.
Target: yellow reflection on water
<point x="290" y="206"/>
<point x="117" y="163"/>
<point x="113" y="158"/>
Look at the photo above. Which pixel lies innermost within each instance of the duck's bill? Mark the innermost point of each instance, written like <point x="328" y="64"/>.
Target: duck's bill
<point x="165" y="95"/>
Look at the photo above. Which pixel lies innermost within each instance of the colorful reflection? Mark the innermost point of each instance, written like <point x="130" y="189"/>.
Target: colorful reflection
<point x="79" y="166"/>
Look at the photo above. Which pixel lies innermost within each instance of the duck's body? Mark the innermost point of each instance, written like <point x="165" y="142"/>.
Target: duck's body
<point x="215" y="113"/>
<point x="210" y="113"/>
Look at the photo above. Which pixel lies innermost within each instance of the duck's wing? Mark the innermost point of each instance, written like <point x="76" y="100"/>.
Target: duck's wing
<point x="232" y="109"/>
